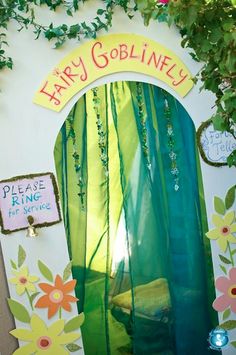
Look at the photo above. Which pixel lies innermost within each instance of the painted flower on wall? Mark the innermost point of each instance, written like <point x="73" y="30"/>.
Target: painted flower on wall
<point x="224" y="229"/>
<point x="56" y="296"/>
<point x="228" y="287"/>
<point x="42" y="339"/>
<point x="23" y="281"/>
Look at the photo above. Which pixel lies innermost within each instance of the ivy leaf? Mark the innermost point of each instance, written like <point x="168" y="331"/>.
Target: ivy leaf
<point x="69" y="12"/>
<point x="228" y="325"/>
<point x="59" y="44"/>
<point x="100" y="12"/>
<point x="74" y="323"/>
<point x="218" y="122"/>
<point x="231" y="160"/>
<point x="18" y="311"/>
<point x="223" y="269"/>
<point x="226" y="314"/>
<point x="73" y="347"/>
<point x="45" y="271"/>
<point x="67" y="271"/>
<point x="230" y="197"/>
<point x="219" y="205"/>
<point x="75" y="5"/>
<point x="224" y="259"/>
<point x="13" y="264"/>
<point x="21" y="256"/>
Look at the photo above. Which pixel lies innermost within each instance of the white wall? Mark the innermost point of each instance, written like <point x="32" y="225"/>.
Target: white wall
<point x="28" y="132"/>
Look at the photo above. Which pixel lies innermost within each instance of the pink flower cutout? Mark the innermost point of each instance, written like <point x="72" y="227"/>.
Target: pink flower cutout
<point x="228" y="287"/>
<point x="164" y="1"/>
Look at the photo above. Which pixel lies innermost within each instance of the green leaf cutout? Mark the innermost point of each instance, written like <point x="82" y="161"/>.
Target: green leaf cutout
<point x="73" y="347"/>
<point x="67" y="271"/>
<point x="33" y="296"/>
<point x="18" y="311"/>
<point x="226" y="314"/>
<point x="45" y="271"/>
<point x="233" y="252"/>
<point x="21" y="256"/>
<point x="224" y="259"/>
<point x="230" y="198"/>
<point x="13" y="264"/>
<point x="233" y="343"/>
<point x="219" y="205"/>
<point x="228" y="325"/>
<point x="74" y="323"/>
<point x="223" y="268"/>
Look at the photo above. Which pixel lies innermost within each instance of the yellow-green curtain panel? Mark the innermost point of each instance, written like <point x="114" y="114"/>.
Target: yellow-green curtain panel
<point x="133" y="207"/>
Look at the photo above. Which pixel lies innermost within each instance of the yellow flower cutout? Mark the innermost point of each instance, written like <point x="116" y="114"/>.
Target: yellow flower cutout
<point x="23" y="280"/>
<point x="42" y="339"/>
<point x="224" y="229"/>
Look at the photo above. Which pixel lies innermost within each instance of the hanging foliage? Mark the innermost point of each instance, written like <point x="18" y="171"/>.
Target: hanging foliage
<point x="207" y="27"/>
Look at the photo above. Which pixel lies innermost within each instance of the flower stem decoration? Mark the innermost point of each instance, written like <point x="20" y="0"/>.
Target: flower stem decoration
<point x="43" y="339"/>
<point x="223" y="233"/>
<point x="24" y="283"/>
<point x="57" y="338"/>
<point x="56" y="296"/>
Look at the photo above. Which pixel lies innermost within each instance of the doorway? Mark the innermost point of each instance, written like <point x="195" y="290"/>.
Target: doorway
<point x="133" y="206"/>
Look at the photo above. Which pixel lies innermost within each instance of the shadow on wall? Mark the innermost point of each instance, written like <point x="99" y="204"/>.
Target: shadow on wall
<point x="7" y="342"/>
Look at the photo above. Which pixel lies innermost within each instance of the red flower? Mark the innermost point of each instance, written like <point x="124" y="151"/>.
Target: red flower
<point x="164" y="1"/>
<point x="56" y="296"/>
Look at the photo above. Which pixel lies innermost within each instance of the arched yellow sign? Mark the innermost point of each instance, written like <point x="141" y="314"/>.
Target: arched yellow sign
<point x="108" y="55"/>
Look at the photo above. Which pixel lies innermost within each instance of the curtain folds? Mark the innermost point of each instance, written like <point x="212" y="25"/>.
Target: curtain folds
<point x="133" y="206"/>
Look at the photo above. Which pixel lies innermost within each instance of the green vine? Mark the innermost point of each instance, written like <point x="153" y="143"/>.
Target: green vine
<point x="102" y="134"/>
<point x="142" y="121"/>
<point x="76" y="157"/>
<point x="207" y="27"/>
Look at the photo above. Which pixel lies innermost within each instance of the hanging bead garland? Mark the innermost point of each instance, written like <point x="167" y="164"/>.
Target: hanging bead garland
<point x="171" y="144"/>
<point x="144" y="142"/>
<point x="76" y="158"/>
<point x="101" y="134"/>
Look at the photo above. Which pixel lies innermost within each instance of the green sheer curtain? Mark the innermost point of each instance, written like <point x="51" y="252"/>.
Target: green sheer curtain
<point x="134" y="214"/>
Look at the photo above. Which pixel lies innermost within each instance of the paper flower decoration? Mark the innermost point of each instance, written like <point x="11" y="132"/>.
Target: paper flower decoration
<point x="228" y="287"/>
<point x="23" y="281"/>
<point x="56" y="296"/>
<point x="224" y="229"/>
<point x="42" y="339"/>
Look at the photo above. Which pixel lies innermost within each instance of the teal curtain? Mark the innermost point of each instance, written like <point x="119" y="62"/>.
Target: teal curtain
<point x="135" y="221"/>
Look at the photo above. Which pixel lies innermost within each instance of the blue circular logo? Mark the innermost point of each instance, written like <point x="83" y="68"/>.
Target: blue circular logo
<point x="218" y="339"/>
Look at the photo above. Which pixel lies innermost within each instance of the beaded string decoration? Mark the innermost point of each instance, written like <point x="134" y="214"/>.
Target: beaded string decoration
<point x="144" y="143"/>
<point x="101" y="134"/>
<point x="171" y="144"/>
<point x="76" y="158"/>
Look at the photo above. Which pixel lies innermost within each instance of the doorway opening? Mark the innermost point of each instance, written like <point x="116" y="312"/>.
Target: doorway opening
<point x="134" y="213"/>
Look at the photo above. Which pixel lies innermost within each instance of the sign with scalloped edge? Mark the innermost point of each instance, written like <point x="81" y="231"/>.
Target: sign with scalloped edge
<point x="111" y="54"/>
<point x="214" y="146"/>
<point x="33" y="195"/>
